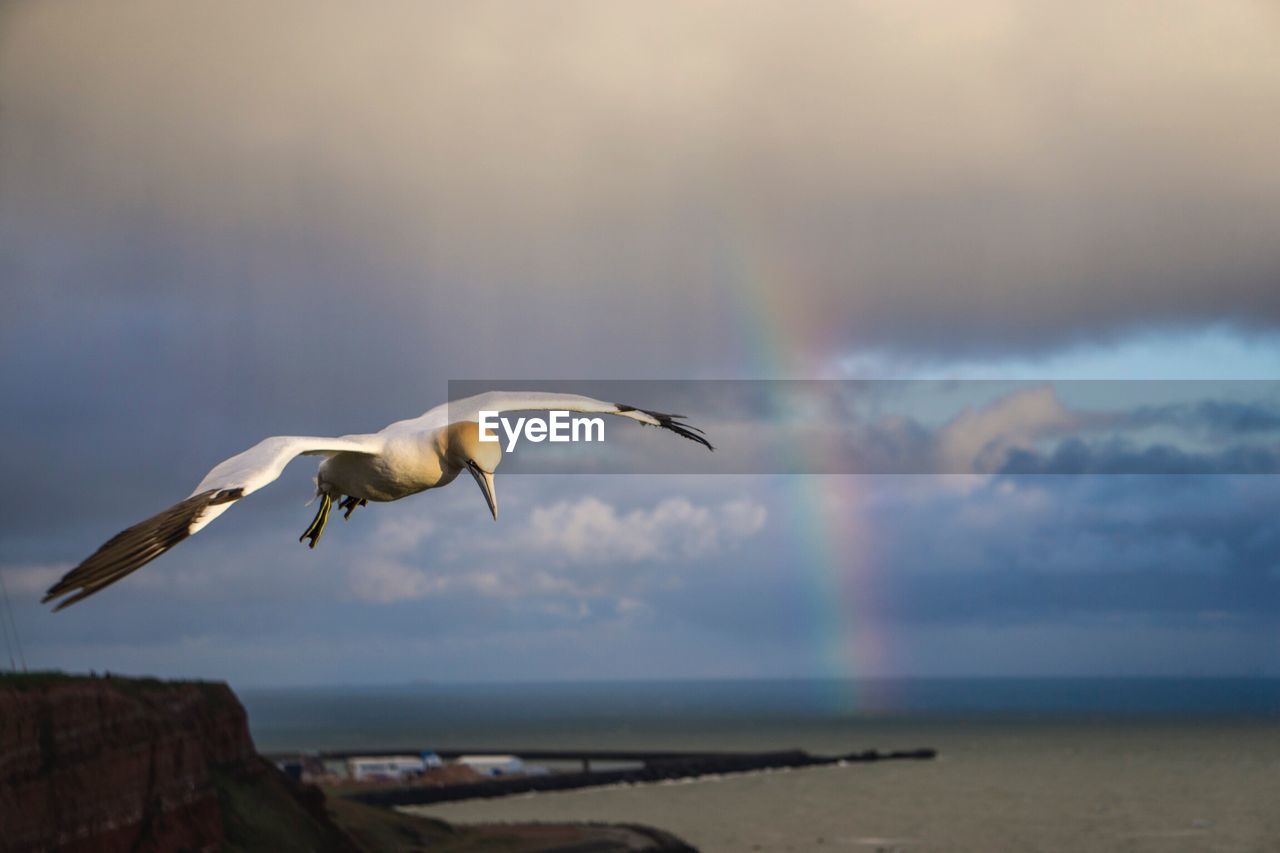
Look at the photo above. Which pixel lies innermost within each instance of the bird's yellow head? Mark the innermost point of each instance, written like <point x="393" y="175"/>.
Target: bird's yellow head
<point x="464" y="449"/>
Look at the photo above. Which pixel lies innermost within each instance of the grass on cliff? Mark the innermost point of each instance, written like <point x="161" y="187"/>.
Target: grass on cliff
<point x="136" y="687"/>
<point x="56" y="677"/>
<point x="263" y="813"/>
<point x="37" y="680"/>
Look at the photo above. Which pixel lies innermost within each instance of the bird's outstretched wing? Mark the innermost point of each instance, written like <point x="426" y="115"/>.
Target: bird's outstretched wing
<point x="228" y="482"/>
<point x="469" y="408"/>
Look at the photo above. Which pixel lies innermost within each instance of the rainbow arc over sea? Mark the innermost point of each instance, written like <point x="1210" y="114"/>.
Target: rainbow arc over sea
<point x="826" y="521"/>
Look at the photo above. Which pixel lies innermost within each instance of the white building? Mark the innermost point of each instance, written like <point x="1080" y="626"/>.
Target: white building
<point x="492" y="765"/>
<point x="395" y="767"/>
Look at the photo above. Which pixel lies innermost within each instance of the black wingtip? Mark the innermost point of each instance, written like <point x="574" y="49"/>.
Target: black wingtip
<point x="132" y="549"/>
<point x="672" y="423"/>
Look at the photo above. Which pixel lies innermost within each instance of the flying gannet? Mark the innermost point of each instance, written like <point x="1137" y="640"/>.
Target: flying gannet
<point x="403" y="459"/>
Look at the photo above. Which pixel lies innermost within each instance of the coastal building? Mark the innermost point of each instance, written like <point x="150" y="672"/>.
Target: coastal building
<point x="492" y="765"/>
<point x="394" y="767"/>
<point x="310" y="768"/>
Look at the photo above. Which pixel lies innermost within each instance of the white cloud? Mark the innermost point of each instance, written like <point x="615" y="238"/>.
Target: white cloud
<point x="562" y="551"/>
<point x="979" y="440"/>
<point x="384" y="573"/>
<point x="590" y="530"/>
<point x="386" y="580"/>
<point x="401" y="534"/>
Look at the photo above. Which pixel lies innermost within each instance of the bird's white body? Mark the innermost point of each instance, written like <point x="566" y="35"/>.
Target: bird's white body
<point x="403" y="459"/>
<point x="403" y="465"/>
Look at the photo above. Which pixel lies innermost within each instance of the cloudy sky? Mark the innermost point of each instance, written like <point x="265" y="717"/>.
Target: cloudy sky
<point x="226" y="220"/>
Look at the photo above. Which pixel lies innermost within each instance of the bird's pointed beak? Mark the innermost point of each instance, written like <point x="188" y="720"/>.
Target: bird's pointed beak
<point x="485" y="481"/>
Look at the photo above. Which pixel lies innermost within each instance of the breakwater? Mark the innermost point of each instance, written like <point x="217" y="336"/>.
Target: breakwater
<point x="654" y="767"/>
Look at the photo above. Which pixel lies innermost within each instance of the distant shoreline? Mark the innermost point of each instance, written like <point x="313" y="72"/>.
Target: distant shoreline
<point x="654" y="767"/>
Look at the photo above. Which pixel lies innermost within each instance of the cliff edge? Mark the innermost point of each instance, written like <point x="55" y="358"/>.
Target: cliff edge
<point x="99" y="765"/>
<point x="117" y="764"/>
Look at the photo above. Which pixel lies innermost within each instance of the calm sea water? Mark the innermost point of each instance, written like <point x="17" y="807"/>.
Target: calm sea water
<point x="1024" y="764"/>
<point x="759" y="714"/>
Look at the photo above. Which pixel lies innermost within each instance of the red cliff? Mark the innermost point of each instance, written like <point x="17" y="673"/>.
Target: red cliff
<point x="107" y="764"/>
<point x="118" y="764"/>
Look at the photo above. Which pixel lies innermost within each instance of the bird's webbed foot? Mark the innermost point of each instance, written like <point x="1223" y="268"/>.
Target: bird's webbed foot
<point x="318" y="523"/>
<point x="350" y="503"/>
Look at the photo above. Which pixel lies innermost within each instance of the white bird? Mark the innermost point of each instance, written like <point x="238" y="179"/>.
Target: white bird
<point x="403" y="459"/>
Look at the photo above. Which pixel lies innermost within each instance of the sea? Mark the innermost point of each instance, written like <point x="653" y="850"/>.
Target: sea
<point x="1023" y="764"/>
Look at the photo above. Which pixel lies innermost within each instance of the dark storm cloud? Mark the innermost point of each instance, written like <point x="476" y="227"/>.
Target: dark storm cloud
<point x="1028" y="549"/>
<point x="1116" y="456"/>
<point x="1086" y="554"/>
<point x="1022" y="597"/>
<point x="1006" y="177"/>
<point x="226" y="220"/>
<point x="1215" y="416"/>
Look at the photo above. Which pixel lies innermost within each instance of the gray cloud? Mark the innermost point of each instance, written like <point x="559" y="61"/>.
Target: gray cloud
<point x="1230" y="417"/>
<point x="1069" y="558"/>
<point x="226" y="220"/>
<point x="918" y="177"/>
<point x="1117" y="456"/>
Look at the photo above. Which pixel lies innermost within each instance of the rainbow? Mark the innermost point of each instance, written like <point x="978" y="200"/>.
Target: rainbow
<point x="826" y="525"/>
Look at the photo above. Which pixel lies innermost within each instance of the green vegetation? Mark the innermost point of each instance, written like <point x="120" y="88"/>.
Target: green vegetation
<point x="56" y="677"/>
<point x="386" y="831"/>
<point x="36" y="680"/>
<point x="263" y="813"/>
<point x="138" y="687"/>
